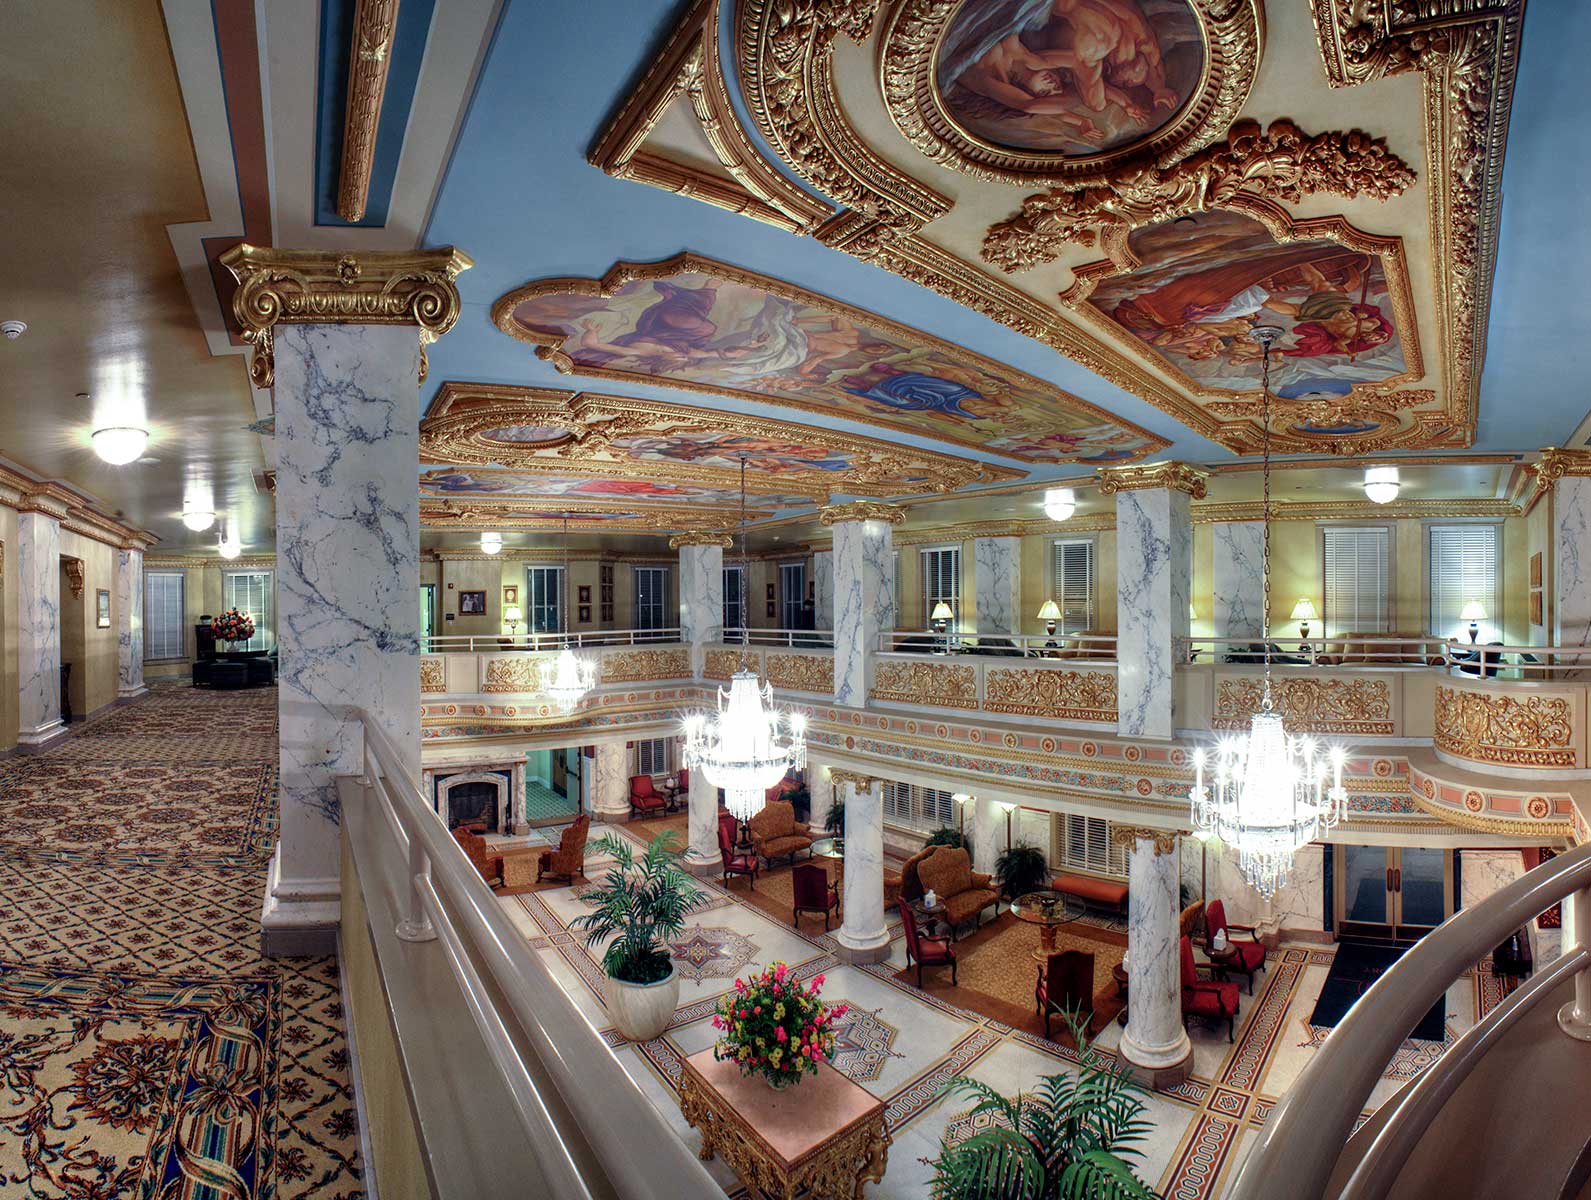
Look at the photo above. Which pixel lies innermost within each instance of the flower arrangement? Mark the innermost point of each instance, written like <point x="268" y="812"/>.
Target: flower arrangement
<point x="233" y="626"/>
<point x="776" y="1027"/>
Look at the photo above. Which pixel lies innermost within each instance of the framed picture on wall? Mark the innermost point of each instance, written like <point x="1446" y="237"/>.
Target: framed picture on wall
<point x="585" y="613"/>
<point x="770" y="595"/>
<point x="1535" y="608"/>
<point x="472" y="602"/>
<point x="511" y="594"/>
<point x="770" y="608"/>
<point x="585" y="593"/>
<point x="1535" y="570"/>
<point x="102" y="611"/>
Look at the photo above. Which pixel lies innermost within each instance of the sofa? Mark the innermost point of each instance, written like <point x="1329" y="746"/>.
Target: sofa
<point x="775" y="833"/>
<point x="965" y="893"/>
<point x="1073" y="645"/>
<point x="1091" y="889"/>
<point x="1398" y="650"/>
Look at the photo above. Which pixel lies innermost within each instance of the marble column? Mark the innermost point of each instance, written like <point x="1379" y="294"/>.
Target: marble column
<point x="701" y="856"/>
<point x="38" y="628"/>
<point x="610" y="782"/>
<point x="339" y="340"/>
<point x="997" y="584"/>
<point x="1154" y="1046"/>
<point x="1571" y="561"/>
<point x="864" y="603"/>
<point x="129" y="624"/>
<point x="1154" y="561"/>
<point x="984" y="823"/>
<point x="820" y="787"/>
<point x="701" y="592"/>
<point x="823" y="589"/>
<point x="1238" y="580"/>
<point x="863" y="937"/>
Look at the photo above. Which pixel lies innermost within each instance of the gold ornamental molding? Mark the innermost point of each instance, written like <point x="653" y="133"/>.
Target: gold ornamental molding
<point x="433" y="675"/>
<point x="936" y="685"/>
<point x="1164" y="840"/>
<point x="840" y="776"/>
<point x="587" y="516"/>
<point x="1555" y="464"/>
<point x="861" y="510"/>
<point x="701" y="538"/>
<point x="74" y="575"/>
<point x="1354" y="510"/>
<point x="802" y="672"/>
<point x="1511" y="730"/>
<point x="645" y="666"/>
<point x="369" y="57"/>
<point x="721" y="665"/>
<point x="520" y="673"/>
<point x="1055" y="695"/>
<point x="330" y="287"/>
<point x="1361" y="706"/>
<point x="1175" y="476"/>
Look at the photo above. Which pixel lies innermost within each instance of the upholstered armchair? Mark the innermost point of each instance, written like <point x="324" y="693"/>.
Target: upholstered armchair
<point x="474" y="846"/>
<point x="1214" y="1001"/>
<point x="925" y="951"/>
<point x="965" y="893"/>
<point x="910" y="885"/>
<point x="775" y="833"/>
<point x="1065" y="985"/>
<point x="735" y="860"/>
<point x="1245" y="957"/>
<point x="814" y="893"/>
<point x="569" y="859"/>
<point x="645" y="799"/>
<point x="1188" y="922"/>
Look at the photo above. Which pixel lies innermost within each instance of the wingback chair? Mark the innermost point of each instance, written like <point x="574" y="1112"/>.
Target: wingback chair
<point x="474" y="845"/>
<point x="1214" y="1001"/>
<point x="735" y="860"/>
<point x="775" y="833"/>
<point x="1245" y="957"/>
<point x="1065" y="985"/>
<point x="814" y="893"/>
<point x="925" y="951"/>
<point x="1188" y="922"/>
<point x="569" y="859"/>
<point x="645" y="800"/>
<point x="964" y="892"/>
<point x="911" y="886"/>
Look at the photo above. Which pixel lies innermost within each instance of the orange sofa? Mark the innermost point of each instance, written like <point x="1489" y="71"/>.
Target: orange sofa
<point x="1092" y="890"/>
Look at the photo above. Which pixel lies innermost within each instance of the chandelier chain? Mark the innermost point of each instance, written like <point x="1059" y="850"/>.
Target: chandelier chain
<point x="1265" y="510"/>
<point x="745" y="574"/>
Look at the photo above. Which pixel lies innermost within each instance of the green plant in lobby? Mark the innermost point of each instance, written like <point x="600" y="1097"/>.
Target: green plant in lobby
<point x="642" y="905"/>
<point x="1021" y="869"/>
<point x="1068" y="1140"/>
<point x="945" y="836"/>
<point x="834" y="821"/>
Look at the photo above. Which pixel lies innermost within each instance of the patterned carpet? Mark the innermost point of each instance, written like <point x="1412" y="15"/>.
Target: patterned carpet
<point x="146" y="1049"/>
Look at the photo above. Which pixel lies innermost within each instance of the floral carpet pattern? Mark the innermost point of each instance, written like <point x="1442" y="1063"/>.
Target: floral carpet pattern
<point x="146" y="1049"/>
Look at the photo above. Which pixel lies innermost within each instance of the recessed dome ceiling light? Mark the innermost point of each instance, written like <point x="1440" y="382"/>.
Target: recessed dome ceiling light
<point x="119" y="444"/>
<point x="1059" y="503"/>
<point x="198" y="519"/>
<point x="1381" y="484"/>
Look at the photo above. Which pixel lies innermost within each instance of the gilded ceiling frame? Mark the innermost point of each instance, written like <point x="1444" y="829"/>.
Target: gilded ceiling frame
<point x="472" y="514"/>
<point x="549" y="345"/>
<point x="452" y="435"/>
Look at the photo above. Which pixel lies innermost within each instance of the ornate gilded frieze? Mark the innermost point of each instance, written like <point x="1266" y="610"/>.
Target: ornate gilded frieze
<point x="701" y="538"/>
<point x="330" y="287"/>
<point x="74" y="575"/>
<point x="607" y="516"/>
<point x="1362" y="706"/>
<point x="861" y="510"/>
<point x="516" y="673"/>
<point x="433" y="674"/>
<point x="1177" y="476"/>
<point x="802" y="672"/>
<point x="645" y="666"/>
<point x="1511" y="729"/>
<point x="369" y="57"/>
<point x="1163" y="841"/>
<point x="1058" y="695"/>
<point x="840" y="776"/>
<point x="934" y="684"/>
<point x="722" y="664"/>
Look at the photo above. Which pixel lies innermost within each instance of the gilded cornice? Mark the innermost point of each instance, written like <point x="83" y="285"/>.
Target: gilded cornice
<point x="332" y="287"/>
<point x="1556" y="464"/>
<point x="197" y="562"/>
<point x="369" y="56"/>
<point x="72" y="509"/>
<point x="477" y="514"/>
<point x="841" y="776"/>
<point x="538" y="555"/>
<point x="1165" y="840"/>
<point x="1354" y="510"/>
<point x="861" y="510"/>
<point x="701" y="538"/>
<point x="1176" y="476"/>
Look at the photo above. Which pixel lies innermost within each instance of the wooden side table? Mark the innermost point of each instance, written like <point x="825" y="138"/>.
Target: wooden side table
<point x="824" y="1134"/>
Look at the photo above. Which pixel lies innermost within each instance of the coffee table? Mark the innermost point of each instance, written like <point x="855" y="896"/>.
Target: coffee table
<point x="1048" y="909"/>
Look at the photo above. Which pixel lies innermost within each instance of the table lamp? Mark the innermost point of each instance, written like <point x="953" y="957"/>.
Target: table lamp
<point x="1304" y="612"/>
<point x="1474" y="612"/>
<point x="513" y="616"/>
<point x="1049" y="613"/>
<point x="940" y="619"/>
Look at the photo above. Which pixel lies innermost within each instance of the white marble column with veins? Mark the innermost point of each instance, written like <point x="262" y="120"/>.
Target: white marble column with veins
<point x="1154" y="1045"/>
<point x="864" y="601"/>
<point x="129" y="608"/>
<point x="864" y="936"/>
<point x="1154" y="559"/>
<point x="823" y="589"/>
<point x="997" y="584"/>
<point x="38" y="628"/>
<point x="1238" y="579"/>
<point x="701" y="594"/>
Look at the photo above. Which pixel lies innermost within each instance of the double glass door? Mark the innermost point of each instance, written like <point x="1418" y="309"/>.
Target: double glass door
<point x="1399" y="892"/>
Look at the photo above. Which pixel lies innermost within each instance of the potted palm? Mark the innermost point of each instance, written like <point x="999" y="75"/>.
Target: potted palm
<point x="1020" y="870"/>
<point x="834" y="820"/>
<point x="640" y="904"/>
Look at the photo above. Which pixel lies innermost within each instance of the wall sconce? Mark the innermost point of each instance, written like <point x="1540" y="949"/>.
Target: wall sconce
<point x="961" y="799"/>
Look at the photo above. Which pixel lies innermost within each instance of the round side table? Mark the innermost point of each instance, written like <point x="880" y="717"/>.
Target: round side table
<point x="1047" y="909"/>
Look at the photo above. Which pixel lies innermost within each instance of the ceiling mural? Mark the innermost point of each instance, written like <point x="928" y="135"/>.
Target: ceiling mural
<point x="1029" y="158"/>
<point x="472" y="514"/>
<point x="692" y="322"/>
<point x="481" y="481"/>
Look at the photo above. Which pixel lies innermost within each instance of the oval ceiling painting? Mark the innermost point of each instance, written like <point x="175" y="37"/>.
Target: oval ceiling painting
<point x="1074" y="77"/>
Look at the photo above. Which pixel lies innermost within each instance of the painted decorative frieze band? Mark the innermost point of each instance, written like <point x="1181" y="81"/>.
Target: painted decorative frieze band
<point x="1059" y="695"/>
<point x="802" y="672"/>
<point x="1361" y="706"/>
<point x="938" y="685"/>
<point x="433" y="674"/>
<point x="701" y="538"/>
<point x="644" y="666"/>
<point x="520" y="673"/>
<point x="862" y="510"/>
<point x="722" y="664"/>
<point x="1177" y="476"/>
<point x="1165" y="840"/>
<point x="1511" y="730"/>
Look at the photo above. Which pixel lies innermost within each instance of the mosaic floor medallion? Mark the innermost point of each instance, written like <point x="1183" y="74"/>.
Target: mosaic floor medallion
<point x="711" y="952"/>
<point x="863" y="1043"/>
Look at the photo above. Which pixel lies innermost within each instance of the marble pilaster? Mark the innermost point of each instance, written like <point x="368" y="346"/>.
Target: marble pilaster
<point x="129" y="609"/>
<point x="610" y="782"/>
<point x="823" y="589"/>
<point x="701" y="855"/>
<point x="864" y="605"/>
<point x="997" y="584"/>
<point x="820" y="787"/>
<point x="701" y="599"/>
<point x="38" y="628"/>
<point x="1154" y="1046"/>
<point x="348" y="569"/>
<point x="1238" y="579"/>
<point x="863" y="936"/>
<point x="986" y="827"/>
<point x="1483" y="872"/>
<point x="1154" y="559"/>
<point x="1571" y="561"/>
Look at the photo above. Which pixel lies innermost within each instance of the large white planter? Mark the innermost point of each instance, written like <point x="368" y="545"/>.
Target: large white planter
<point x="641" y="1011"/>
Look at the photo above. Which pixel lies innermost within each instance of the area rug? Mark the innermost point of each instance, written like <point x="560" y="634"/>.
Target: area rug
<point x="1354" y="968"/>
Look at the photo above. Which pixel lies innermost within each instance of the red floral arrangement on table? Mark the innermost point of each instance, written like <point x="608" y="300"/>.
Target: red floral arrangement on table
<point x="776" y="1027"/>
<point x="233" y="626"/>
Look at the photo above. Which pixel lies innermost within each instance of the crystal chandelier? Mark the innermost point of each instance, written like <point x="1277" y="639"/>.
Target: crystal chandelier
<point x="1269" y="798"/>
<point x="738" y="747"/>
<point x="568" y="677"/>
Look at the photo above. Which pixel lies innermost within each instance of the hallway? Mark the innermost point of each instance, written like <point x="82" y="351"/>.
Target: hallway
<point x="146" y="1048"/>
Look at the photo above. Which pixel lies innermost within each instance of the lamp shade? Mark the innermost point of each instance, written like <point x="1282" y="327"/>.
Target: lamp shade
<point x="1049" y="611"/>
<point x="512" y="615"/>
<point x="1473" y="611"/>
<point x="941" y="612"/>
<point x="1304" y="610"/>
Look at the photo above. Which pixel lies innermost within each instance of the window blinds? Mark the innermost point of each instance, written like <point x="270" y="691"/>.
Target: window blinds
<point x="1464" y="567"/>
<point x="250" y="592"/>
<point x="544" y="600"/>
<point x="652" y="757"/>
<point x="1074" y="584"/>
<point x="733" y="617"/>
<point x="165" y="626"/>
<point x="792" y="585"/>
<point x="1357" y="583"/>
<point x="942" y="581"/>
<point x="651" y="597"/>
<point x="1083" y="844"/>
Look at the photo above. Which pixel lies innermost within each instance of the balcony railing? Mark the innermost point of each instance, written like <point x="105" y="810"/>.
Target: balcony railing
<point x="1095" y="647"/>
<point x="443" y="643"/>
<point x="1455" y="655"/>
<point x="800" y="639"/>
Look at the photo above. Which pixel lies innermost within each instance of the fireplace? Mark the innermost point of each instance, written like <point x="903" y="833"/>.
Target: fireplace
<point x="474" y="798"/>
<point x="474" y="806"/>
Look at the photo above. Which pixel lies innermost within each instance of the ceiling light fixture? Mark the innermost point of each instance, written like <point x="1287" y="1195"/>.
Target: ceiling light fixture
<point x="1059" y="503"/>
<point x="13" y="329"/>
<point x="1270" y="797"/>
<point x="568" y="677"/>
<point x="227" y="544"/>
<point x="197" y="519"/>
<point x="1381" y="484"/>
<point x="119" y="444"/>
<point x="491" y="543"/>
<point x="738" y="748"/>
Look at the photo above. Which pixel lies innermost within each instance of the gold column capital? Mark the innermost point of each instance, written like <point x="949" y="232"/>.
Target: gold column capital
<point x="1556" y="463"/>
<point x="1176" y="476"/>
<point x="839" y="776"/>
<point x="1165" y="840"/>
<point x="701" y="538"/>
<point x="862" y="510"/>
<point x="335" y="287"/>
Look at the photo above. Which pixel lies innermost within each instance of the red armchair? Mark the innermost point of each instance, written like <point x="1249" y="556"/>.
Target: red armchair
<point x="735" y="860"/>
<point x="1245" y="957"/>
<point x="645" y="799"/>
<point x="1214" y="1001"/>
<point x="927" y="951"/>
<point x="474" y="846"/>
<point x="1065" y="986"/>
<point x="813" y="893"/>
